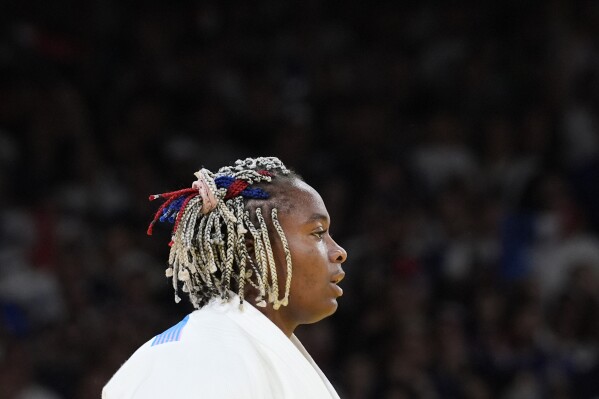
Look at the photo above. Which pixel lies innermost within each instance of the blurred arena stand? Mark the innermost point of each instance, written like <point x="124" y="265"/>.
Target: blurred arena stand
<point x="455" y="144"/>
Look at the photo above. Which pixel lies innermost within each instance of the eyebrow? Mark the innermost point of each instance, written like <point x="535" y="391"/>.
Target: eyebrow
<point x="317" y="217"/>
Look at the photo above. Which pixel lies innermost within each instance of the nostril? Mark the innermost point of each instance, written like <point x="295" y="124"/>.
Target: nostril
<point x="337" y="253"/>
<point x="342" y="257"/>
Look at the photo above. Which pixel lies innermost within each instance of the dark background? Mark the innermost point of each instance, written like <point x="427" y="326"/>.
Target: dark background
<point x="455" y="144"/>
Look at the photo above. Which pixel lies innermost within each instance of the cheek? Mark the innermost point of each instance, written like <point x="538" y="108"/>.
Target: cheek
<point x="310" y="280"/>
<point x="309" y="270"/>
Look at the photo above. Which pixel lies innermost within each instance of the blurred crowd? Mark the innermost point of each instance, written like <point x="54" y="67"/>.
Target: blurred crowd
<point x="455" y="144"/>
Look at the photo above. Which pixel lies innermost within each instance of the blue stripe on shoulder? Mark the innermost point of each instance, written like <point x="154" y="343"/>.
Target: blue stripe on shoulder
<point x="172" y="334"/>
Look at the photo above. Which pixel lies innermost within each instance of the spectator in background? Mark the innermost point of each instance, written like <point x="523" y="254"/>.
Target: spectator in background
<point x="464" y="173"/>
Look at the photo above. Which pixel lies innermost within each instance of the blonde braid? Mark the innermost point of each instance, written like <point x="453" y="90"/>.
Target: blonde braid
<point x="208" y="248"/>
<point x="275" y="222"/>
<point x="261" y="259"/>
<point x="229" y="256"/>
<point x="273" y="293"/>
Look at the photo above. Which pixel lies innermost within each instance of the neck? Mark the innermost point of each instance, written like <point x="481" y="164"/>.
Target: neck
<point x="278" y="318"/>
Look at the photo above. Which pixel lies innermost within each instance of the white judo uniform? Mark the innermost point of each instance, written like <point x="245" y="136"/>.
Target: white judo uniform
<point x="221" y="352"/>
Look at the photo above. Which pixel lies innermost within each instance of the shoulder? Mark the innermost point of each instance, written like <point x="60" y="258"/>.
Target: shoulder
<point x="203" y="336"/>
<point x="205" y="351"/>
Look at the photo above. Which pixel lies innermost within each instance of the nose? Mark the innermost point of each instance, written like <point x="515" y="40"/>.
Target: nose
<point x="337" y="253"/>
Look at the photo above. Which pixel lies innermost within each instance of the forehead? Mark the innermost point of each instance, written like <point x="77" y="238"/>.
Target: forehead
<point x="304" y="202"/>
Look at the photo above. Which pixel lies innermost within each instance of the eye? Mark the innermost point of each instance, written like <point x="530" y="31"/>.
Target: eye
<point x="319" y="234"/>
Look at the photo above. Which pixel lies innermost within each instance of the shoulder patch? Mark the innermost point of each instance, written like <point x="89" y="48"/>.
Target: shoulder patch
<point x="173" y="334"/>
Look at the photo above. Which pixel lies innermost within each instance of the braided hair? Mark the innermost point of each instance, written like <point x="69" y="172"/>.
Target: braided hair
<point x="209" y="256"/>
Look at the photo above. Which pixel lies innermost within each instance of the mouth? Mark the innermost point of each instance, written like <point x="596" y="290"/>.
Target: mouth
<point x="336" y="279"/>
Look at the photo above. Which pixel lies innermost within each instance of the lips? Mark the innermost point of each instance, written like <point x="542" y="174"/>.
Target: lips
<point x="336" y="279"/>
<point x="338" y="290"/>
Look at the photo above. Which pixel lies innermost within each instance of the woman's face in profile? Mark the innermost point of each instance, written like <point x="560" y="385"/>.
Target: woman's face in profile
<point x="316" y="257"/>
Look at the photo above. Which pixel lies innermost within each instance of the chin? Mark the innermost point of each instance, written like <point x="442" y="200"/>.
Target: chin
<point x="330" y="309"/>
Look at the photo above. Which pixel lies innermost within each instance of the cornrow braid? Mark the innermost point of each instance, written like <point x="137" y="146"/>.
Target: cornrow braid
<point x="209" y="256"/>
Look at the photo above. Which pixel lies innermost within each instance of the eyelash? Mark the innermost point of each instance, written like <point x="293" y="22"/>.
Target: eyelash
<point x="319" y="234"/>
